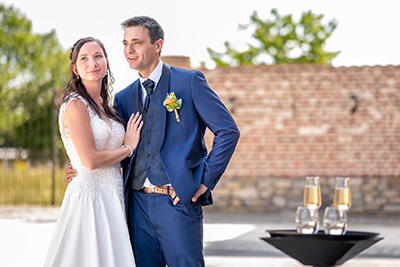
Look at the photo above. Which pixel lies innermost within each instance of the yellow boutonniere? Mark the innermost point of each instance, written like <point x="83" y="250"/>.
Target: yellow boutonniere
<point x="173" y="104"/>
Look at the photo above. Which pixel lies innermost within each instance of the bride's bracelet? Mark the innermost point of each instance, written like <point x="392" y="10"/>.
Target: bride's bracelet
<point x="130" y="148"/>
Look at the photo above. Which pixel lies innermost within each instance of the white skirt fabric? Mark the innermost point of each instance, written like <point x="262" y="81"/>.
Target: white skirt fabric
<point x="91" y="234"/>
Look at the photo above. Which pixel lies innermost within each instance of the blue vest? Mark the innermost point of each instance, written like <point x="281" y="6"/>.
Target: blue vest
<point x="147" y="162"/>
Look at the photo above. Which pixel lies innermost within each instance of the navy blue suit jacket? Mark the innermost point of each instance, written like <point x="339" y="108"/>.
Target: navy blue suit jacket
<point x="181" y="144"/>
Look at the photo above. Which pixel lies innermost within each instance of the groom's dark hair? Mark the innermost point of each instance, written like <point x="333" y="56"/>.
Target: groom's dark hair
<point x="156" y="32"/>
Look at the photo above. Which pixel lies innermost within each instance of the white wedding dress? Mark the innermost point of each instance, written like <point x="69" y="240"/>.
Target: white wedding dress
<point x="91" y="228"/>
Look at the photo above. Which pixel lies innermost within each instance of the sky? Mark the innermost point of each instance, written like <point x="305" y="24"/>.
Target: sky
<point x="367" y="32"/>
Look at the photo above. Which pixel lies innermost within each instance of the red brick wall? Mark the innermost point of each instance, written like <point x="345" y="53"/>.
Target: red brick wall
<point x="298" y="120"/>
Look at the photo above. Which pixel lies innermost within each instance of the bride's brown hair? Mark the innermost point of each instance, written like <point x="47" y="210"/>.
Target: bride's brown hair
<point x="76" y="86"/>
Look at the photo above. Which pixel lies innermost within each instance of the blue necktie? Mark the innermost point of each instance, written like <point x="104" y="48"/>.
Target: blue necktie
<point x="149" y="86"/>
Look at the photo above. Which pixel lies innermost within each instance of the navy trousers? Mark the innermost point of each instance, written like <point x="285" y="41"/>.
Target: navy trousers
<point x="163" y="234"/>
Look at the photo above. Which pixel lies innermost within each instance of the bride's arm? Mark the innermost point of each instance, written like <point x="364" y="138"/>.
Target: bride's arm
<point x="77" y="121"/>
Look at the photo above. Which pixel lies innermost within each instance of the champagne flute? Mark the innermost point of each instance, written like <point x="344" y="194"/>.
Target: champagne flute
<point x="342" y="195"/>
<point x="312" y="193"/>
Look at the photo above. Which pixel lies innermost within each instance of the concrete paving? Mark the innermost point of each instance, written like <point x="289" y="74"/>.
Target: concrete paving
<point x="229" y="239"/>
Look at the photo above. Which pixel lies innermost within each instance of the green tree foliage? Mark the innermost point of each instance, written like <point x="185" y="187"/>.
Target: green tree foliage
<point x="32" y="68"/>
<point x="281" y="40"/>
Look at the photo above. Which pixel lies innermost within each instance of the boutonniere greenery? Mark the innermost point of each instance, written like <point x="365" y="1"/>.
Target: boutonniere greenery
<point x="172" y="103"/>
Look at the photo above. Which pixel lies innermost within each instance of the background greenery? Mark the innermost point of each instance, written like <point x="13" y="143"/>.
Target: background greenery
<point x="23" y="185"/>
<point x="33" y="69"/>
<point x="282" y="40"/>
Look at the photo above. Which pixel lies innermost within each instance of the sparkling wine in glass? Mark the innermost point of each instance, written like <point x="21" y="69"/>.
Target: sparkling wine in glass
<point x="342" y="195"/>
<point x="312" y="193"/>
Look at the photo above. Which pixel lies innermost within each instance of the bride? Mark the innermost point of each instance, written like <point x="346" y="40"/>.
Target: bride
<point x="91" y="229"/>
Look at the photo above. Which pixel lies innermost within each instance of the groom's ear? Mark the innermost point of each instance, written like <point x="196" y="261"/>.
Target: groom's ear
<point x="159" y="45"/>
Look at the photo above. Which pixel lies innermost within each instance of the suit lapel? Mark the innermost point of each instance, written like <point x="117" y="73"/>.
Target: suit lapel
<point x="163" y="86"/>
<point x="136" y="98"/>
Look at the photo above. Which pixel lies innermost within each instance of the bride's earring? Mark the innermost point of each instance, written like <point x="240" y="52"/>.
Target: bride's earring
<point x="76" y="75"/>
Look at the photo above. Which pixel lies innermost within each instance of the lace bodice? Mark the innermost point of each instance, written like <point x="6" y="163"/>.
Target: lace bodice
<point x="108" y="134"/>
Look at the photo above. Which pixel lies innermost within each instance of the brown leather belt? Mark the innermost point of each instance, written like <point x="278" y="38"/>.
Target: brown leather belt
<point x="159" y="190"/>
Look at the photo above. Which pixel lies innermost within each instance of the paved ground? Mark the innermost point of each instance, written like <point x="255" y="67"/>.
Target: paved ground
<point x="229" y="239"/>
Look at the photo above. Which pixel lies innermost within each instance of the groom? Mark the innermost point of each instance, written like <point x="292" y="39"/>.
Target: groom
<point x="171" y="174"/>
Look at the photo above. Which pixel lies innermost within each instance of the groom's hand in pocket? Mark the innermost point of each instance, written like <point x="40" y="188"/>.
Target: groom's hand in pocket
<point x="175" y="198"/>
<point x="70" y="173"/>
<point x="202" y="189"/>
